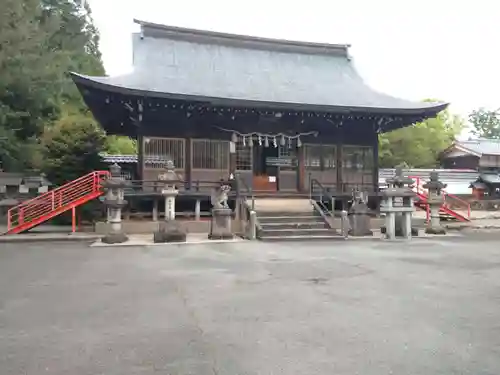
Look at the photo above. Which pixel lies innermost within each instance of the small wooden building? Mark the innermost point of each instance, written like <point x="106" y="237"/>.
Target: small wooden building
<point x="277" y="112"/>
<point x="480" y="154"/>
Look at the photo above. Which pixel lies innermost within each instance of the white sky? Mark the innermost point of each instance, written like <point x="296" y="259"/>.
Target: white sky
<point x="414" y="49"/>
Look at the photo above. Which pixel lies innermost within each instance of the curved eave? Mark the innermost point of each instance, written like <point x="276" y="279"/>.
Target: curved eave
<point x="427" y="109"/>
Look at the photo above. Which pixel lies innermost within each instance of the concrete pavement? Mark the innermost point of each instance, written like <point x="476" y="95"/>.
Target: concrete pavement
<point x="422" y="307"/>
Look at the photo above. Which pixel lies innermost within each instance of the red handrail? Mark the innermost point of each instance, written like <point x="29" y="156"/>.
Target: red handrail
<point x="56" y="201"/>
<point x="419" y="189"/>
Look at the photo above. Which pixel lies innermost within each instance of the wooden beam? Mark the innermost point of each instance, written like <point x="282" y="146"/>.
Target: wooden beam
<point x="188" y="161"/>
<point x="301" y="168"/>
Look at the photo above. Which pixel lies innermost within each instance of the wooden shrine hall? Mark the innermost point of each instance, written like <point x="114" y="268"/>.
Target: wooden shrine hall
<point x="276" y="112"/>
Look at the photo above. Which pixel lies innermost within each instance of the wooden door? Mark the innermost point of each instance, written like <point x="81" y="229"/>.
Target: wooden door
<point x="264" y="182"/>
<point x="264" y="176"/>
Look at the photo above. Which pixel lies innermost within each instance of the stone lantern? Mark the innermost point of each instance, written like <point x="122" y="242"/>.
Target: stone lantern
<point x="114" y="200"/>
<point x="397" y="204"/>
<point x="169" y="230"/>
<point x="435" y="201"/>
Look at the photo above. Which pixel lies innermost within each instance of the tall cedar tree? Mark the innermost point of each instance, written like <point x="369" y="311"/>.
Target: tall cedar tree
<point x="41" y="41"/>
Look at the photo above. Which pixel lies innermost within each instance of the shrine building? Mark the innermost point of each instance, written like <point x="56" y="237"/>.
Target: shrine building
<point x="277" y="112"/>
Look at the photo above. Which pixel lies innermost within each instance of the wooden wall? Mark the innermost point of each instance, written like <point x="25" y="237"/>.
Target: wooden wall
<point x="341" y="156"/>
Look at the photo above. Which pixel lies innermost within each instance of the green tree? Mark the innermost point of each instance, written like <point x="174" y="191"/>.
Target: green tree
<point x="485" y="123"/>
<point x="72" y="34"/>
<point x="118" y="145"/>
<point x="71" y="148"/>
<point x="28" y="76"/>
<point x="40" y="42"/>
<point x="419" y="146"/>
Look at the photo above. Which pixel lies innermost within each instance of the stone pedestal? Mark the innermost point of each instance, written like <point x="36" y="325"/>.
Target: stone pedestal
<point x="359" y="219"/>
<point x="114" y="201"/>
<point x="220" y="226"/>
<point x="169" y="231"/>
<point x="434" y="200"/>
<point x="169" y="193"/>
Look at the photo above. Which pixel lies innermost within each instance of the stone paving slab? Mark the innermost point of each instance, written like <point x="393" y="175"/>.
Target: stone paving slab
<point x="474" y="215"/>
<point x="48" y="237"/>
<point x="147" y="240"/>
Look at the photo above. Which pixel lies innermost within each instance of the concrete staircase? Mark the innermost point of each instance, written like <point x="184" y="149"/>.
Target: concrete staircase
<point x="283" y="219"/>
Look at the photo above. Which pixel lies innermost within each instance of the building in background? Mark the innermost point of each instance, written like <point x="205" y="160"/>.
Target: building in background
<point x="482" y="155"/>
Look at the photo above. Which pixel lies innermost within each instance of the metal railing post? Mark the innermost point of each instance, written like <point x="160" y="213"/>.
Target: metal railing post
<point x="73" y="219"/>
<point x="252" y="230"/>
<point x="344" y="224"/>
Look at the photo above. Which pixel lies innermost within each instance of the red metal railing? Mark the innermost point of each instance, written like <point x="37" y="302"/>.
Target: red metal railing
<point x="48" y="205"/>
<point x="461" y="209"/>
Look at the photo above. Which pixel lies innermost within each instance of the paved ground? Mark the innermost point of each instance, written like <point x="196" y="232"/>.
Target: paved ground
<point x="355" y="307"/>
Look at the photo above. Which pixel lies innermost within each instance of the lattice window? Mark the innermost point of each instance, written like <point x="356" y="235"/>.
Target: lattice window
<point x="286" y="152"/>
<point x="357" y="166"/>
<point x="158" y="150"/>
<point x="312" y="156"/>
<point x="320" y="157"/>
<point x="357" y="157"/>
<point x="329" y="156"/>
<point x="244" y="159"/>
<point x="210" y="154"/>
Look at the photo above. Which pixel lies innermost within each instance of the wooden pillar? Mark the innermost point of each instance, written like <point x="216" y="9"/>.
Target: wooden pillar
<point x="197" y="210"/>
<point x="140" y="156"/>
<point x="155" y="209"/>
<point x="338" y="151"/>
<point x="301" y="168"/>
<point x="188" y="167"/>
<point x="232" y="163"/>
<point x="375" y="163"/>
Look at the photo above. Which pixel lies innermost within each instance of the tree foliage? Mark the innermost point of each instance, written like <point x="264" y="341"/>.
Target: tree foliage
<point x="71" y="148"/>
<point x="119" y="145"/>
<point x="41" y="41"/>
<point x="419" y="146"/>
<point x="485" y="123"/>
<point x="28" y="84"/>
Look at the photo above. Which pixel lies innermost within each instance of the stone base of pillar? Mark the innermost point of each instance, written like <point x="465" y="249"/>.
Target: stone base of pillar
<point x="399" y="231"/>
<point x="220" y="226"/>
<point x="359" y="220"/>
<point x="169" y="231"/>
<point x="435" y="230"/>
<point x="112" y="238"/>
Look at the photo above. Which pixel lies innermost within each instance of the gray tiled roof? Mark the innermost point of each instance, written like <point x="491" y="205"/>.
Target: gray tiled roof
<point x="491" y="178"/>
<point x="11" y="179"/>
<point x="177" y="62"/>
<point x="482" y="146"/>
<point x="16" y="179"/>
<point x="458" y="181"/>
<point x="119" y="159"/>
<point x="446" y="175"/>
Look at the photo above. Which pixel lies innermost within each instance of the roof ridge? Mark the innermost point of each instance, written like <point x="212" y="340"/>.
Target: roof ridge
<point x="152" y="29"/>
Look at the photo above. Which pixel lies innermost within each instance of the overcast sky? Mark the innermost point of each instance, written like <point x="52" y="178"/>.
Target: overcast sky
<point x="444" y="49"/>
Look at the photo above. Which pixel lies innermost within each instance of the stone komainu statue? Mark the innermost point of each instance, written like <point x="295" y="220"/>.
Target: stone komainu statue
<point x="219" y="196"/>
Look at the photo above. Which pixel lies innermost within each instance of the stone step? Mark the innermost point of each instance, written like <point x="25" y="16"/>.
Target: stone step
<point x="309" y="213"/>
<point x="294" y="225"/>
<point x="282" y="204"/>
<point x="306" y="232"/>
<point x="289" y="219"/>
<point x="308" y="238"/>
